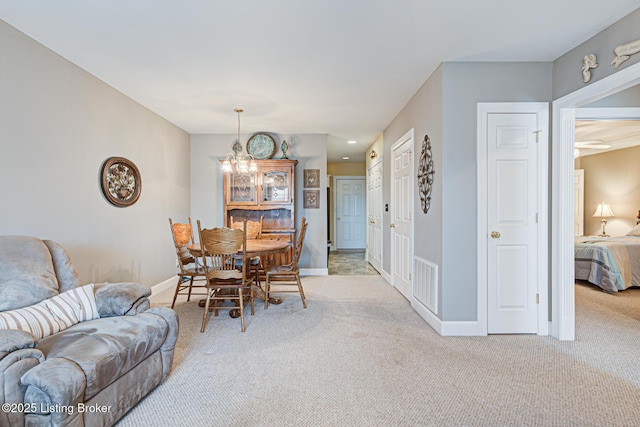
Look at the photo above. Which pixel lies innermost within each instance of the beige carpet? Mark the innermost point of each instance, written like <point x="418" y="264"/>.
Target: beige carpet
<point x="360" y="356"/>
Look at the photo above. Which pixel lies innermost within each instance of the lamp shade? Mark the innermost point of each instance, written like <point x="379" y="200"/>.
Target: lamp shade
<point x="603" y="211"/>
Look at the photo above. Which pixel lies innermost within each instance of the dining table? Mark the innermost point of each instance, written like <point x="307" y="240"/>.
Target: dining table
<point x="255" y="247"/>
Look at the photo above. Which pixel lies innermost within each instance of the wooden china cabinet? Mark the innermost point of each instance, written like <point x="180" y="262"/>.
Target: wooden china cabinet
<point x="268" y="193"/>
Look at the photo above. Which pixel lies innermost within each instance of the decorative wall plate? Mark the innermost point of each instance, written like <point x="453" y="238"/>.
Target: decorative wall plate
<point x="261" y="146"/>
<point x="121" y="182"/>
<point x="425" y="174"/>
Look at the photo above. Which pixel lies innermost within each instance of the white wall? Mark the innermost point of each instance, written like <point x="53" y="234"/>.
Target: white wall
<point x="57" y="126"/>
<point x="207" y="183"/>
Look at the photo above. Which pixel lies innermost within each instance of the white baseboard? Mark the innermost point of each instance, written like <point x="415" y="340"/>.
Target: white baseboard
<point x="468" y="328"/>
<point x="448" y="328"/>
<point x="163" y="286"/>
<point x="314" y="271"/>
<point x="386" y="276"/>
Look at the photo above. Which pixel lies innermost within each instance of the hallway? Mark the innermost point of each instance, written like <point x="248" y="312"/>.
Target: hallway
<point x="349" y="263"/>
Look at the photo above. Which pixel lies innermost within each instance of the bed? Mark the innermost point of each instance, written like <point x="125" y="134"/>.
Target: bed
<point x="612" y="263"/>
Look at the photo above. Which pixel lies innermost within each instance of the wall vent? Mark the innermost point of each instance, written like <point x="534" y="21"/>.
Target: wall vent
<point x="425" y="284"/>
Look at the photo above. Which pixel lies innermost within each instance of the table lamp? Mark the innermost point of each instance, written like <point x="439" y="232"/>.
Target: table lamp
<point x="603" y="211"/>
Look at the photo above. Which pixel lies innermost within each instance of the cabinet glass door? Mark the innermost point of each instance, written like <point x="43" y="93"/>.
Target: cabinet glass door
<point x="242" y="188"/>
<point x="276" y="186"/>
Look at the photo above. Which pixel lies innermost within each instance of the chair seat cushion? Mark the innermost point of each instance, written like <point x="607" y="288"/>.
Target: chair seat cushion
<point x="107" y="348"/>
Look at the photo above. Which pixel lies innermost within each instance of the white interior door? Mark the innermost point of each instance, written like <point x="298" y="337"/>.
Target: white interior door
<point x="578" y="200"/>
<point x="401" y="214"/>
<point x="374" y="215"/>
<point x="512" y="222"/>
<point x="350" y="213"/>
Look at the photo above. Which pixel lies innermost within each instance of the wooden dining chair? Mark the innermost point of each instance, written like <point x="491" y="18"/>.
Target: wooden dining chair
<point x="287" y="274"/>
<point x="254" y="231"/>
<point x="189" y="270"/>
<point x="220" y="250"/>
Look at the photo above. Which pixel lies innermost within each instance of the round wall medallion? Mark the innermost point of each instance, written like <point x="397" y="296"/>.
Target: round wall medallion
<point x="261" y="146"/>
<point x="121" y="182"/>
<point x="425" y="174"/>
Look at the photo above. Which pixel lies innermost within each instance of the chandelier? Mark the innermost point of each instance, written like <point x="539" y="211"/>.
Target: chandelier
<point x="243" y="163"/>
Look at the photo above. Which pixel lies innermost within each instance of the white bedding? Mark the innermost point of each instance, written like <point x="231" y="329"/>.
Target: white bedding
<point x="612" y="263"/>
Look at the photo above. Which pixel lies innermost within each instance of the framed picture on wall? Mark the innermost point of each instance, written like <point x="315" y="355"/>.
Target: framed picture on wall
<point x="312" y="178"/>
<point x="311" y="199"/>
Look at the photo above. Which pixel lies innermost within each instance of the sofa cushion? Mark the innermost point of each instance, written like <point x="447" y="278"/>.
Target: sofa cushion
<point x="53" y="314"/>
<point x="27" y="274"/>
<point x="107" y="348"/>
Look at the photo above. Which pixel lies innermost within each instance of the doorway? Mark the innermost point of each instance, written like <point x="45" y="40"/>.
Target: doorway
<point x="374" y="214"/>
<point x="562" y="266"/>
<point x="401" y="214"/>
<point x="350" y="212"/>
<point x="512" y="232"/>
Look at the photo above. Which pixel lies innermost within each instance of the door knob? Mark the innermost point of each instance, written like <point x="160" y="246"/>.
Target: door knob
<point x="392" y="225"/>
<point x="495" y="235"/>
<point x="338" y="218"/>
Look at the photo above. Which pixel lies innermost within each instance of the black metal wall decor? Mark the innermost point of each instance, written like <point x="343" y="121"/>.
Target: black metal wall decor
<point x="425" y="174"/>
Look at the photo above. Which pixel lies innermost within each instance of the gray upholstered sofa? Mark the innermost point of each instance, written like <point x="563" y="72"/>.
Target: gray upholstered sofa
<point x="90" y="372"/>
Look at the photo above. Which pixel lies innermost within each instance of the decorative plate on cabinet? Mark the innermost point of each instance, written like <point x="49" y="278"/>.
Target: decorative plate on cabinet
<point x="261" y="146"/>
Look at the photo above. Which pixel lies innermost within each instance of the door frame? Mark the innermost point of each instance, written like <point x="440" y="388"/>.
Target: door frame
<point x="562" y="163"/>
<point x="484" y="109"/>
<point x="335" y="207"/>
<point x="375" y="163"/>
<point x="409" y="136"/>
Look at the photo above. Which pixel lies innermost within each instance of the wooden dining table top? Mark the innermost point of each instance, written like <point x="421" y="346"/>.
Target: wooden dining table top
<point x="255" y="247"/>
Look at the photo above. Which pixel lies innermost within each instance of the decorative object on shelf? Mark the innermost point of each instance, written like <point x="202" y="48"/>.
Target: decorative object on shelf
<point x="244" y="164"/>
<point x="603" y="211"/>
<point x="121" y="182"/>
<point x="373" y="154"/>
<point x="624" y="52"/>
<point x="284" y="147"/>
<point x="311" y="199"/>
<point x="588" y="62"/>
<point x="425" y="174"/>
<point x="312" y="178"/>
<point x="261" y="146"/>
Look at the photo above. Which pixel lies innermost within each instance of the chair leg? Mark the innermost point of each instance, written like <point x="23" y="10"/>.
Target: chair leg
<point x="251" y="298"/>
<point x="206" y="310"/>
<point x="304" y="302"/>
<point x="190" y="288"/>
<point x="240" y="298"/>
<point x="175" y="295"/>
<point x="267" y="283"/>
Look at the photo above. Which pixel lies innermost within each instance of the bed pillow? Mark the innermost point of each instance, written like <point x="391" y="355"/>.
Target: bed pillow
<point x="54" y="314"/>
<point x="635" y="231"/>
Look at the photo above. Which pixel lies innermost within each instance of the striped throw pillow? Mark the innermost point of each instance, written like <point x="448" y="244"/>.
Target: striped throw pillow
<point x="54" y="314"/>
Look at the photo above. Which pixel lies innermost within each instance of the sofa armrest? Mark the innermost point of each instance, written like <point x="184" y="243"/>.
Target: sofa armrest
<point x="167" y="349"/>
<point x="53" y="386"/>
<point x="12" y="340"/>
<point x="120" y="299"/>
<point x="17" y="355"/>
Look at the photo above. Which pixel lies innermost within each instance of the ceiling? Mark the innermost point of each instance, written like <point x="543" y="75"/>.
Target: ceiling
<point x="617" y="134"/>
<point x="344" y="68"/>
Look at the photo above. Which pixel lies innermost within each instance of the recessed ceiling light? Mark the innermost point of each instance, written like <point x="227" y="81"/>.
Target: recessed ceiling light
<point x="345" y="158"/>
<point x="352" y="142"/>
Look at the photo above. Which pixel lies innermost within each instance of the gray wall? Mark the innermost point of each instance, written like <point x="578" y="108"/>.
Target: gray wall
<point x="207" y="184"/>
<point x="57" y="126"/>
<point x="567" y="75"/>
<point x="423" y="113"/>
<point x="445" y="108"/>
<point x="465" y="85"/>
